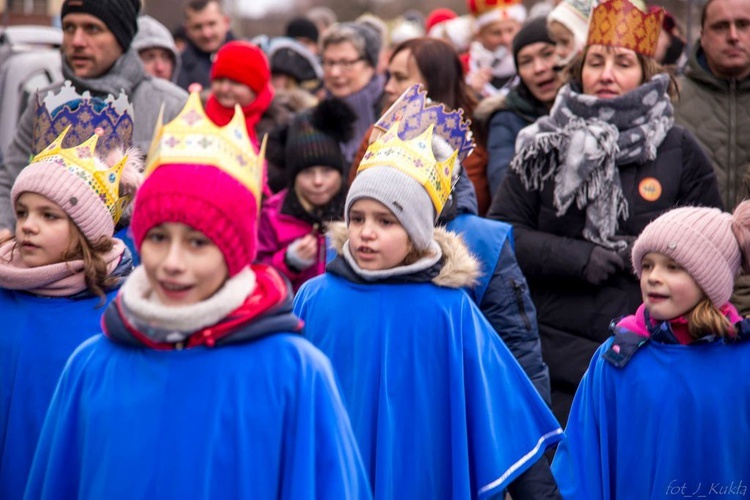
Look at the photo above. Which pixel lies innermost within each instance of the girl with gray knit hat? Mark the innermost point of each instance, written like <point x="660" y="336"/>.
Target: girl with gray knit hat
<point x="439" y="407"/>
<point x="681" y="356"/>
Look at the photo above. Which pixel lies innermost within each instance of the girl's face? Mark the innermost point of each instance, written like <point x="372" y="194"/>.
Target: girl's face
<point x="404" y="73"/>
<point x="610" y="71"/>
<point x="536" y="63"/>
<point x="565" y="42"/>
<point x="43" y="231"/>
<point x="376" y="238"/>
<point x="230" y="92"/>
<point x="316" y="186"/>
<point x="182" y="265"/>
<point x="668" y="290"/>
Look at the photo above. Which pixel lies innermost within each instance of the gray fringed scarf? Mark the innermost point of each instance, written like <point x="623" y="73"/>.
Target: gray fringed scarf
<point x="584" y="140"/>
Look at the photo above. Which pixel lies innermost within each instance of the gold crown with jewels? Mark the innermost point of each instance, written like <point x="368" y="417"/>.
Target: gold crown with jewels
<point x="81" y="161"/>
<point x="406" y="145"/>
<point x="192" y="138"/>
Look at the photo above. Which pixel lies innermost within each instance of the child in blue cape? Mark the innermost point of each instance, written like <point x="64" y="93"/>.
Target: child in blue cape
<point x="57" y="271"/>
<point x="662" y="410"/>
<point x="439" y="406"/>
<point x="201" y="386"/>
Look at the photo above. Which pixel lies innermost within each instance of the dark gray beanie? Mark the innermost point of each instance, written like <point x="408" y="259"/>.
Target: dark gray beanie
<point x="371" y="39"/>
<point x="120" y="16"/>
<point x="533" y="31"/>
<point x="402" y="195"/>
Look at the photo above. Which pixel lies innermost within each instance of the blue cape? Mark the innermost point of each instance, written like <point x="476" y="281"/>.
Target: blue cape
<point x="261" y="420"/>
<point x="38" y="336"/>
<point x="673" y="422"/>
<point x="439" y="406"/>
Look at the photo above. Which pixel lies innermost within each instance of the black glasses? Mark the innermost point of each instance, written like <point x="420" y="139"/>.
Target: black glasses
<point x="343" y="63"/>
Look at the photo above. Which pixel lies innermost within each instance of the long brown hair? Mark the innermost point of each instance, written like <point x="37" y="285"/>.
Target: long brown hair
<point x="706" y="319"/>
<point x="96" y="275"/>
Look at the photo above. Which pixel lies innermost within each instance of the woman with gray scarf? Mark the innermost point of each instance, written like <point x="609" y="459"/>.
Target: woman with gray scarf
<point x="584" y="183"/>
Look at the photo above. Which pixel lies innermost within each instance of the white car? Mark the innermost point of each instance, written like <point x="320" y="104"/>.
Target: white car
<point x="29" y="60"/>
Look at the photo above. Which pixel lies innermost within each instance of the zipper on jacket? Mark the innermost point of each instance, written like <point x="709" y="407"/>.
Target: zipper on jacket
<point x="518" y="292"/>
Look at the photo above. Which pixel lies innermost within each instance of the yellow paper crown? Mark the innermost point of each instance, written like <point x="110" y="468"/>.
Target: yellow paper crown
<point x="619" y="23"/>
<point x="192" y="138"/>
<point x="414" y="157"/>
<point x="81" y="161"/>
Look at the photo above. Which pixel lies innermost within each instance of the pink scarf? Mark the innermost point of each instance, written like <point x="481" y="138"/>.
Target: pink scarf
<point x="55" y="280"/>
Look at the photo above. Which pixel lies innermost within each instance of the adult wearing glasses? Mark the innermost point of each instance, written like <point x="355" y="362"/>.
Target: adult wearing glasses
<point x="349" y="54"/>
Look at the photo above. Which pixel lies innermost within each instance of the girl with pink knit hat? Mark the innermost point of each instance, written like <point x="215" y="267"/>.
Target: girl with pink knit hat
<point x="56" y="272"/>
<point x="201" y="386"/>
<point x="650" y="418"/>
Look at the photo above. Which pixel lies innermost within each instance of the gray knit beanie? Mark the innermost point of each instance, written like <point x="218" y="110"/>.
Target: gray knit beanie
<point x="402" y="195"/>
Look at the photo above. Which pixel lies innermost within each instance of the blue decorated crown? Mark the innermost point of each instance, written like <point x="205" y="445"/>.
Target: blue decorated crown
<point x="81" y="115"/>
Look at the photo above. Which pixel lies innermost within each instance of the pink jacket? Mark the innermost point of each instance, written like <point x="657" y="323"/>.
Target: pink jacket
<point x="277" y="231"/>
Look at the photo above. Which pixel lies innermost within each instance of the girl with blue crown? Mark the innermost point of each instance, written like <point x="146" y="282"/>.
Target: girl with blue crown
<point x="439" y="406"/>
<point x="56" y="272"/>
<point x="201" y="386"/>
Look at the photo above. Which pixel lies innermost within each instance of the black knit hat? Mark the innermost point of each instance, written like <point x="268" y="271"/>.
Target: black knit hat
<point x="120" y="16"/>
<point x="289" y="57"/>
<point x="314" y="137"/>
<point x="301" y="27"/>
<point x="533" y="31"/>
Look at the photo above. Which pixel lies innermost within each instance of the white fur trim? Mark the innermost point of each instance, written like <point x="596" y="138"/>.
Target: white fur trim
<point x="516" y="12"/>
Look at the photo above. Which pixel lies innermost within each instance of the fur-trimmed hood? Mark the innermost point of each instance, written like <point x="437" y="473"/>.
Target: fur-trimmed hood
<point x="487" y="107"/>
<point x="460" y="268"/>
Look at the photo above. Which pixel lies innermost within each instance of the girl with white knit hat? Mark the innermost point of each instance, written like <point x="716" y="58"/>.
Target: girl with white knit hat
<point x="650" y="417"/>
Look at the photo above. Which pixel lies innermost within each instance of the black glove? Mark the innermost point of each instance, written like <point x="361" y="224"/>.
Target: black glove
<point x="602" y="264"/>
<point x="626" y="253"/>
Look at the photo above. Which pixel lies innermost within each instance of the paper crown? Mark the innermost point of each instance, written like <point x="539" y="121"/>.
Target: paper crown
<point x="619" y="23"/>
<point x="80" y="161"/>
<point x="406" y="144"/>
<point x="192" y="138"/>
<point x="489" y="11"/>
<point x="81" y="115"/>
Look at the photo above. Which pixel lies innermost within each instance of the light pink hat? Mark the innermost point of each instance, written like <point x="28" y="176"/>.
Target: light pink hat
<point x="702" y="240"/>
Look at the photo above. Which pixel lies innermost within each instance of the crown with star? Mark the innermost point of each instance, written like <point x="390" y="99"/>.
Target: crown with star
<point x="192" y="138"/>
<point x="406" y="144"/>
<point x="619" y="23"/>
<point x="81" y="115"/>
<point x="82" y="161"/>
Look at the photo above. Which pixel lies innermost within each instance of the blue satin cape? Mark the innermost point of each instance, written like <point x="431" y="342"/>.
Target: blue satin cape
<point x="440" y="407"/>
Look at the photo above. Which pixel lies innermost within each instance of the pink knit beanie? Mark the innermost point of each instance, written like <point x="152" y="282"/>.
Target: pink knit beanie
<point x="703" y="241"/>
<point x="204" y="198"/>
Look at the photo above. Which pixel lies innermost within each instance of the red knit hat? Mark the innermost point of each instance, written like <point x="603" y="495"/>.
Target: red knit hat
<point x="204" y="198"/>
<point x="242" y="62"/>
<point x="437" y="16"/>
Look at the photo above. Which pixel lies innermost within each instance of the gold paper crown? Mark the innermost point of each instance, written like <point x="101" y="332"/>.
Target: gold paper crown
<point x="414" y="157"/>
<point x="192" y="138"/>
<point x="619" y="23"/>
<point x="81" y="162"/>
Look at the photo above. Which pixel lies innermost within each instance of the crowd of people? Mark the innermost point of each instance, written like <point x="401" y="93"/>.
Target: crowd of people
<point x="504" y="253"/>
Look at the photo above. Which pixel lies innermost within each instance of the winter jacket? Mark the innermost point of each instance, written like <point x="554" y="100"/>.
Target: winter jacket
<point x="277" y="231"/>
<point x="503" y="295"/>
<point x="196" y="65"/>
<point x="146" y="93"/>
<point x="573" y="314"/>
<point x="717" y="111"/>
<point x="504" y="117"/>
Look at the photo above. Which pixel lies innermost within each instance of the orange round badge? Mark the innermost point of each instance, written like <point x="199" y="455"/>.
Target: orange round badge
<point x="649" y="189"/>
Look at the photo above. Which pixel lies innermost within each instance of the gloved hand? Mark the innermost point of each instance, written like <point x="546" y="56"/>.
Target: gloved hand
<point x="626" y="253"/>
<point x="300" y="254"/>
<point x="602" y="264"/>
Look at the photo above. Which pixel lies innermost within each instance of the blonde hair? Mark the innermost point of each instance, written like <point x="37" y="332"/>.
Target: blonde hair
<point x="706" y="319"/>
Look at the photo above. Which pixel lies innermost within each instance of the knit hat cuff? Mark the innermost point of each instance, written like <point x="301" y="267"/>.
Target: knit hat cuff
<point x="402" y="195"/>
<point x="515" y="12"/>
<point x="71" y="193"/>
<point x="572" y="19"/>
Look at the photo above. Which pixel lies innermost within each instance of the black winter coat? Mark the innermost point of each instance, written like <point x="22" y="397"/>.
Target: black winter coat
<point x="573" y="314"/>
